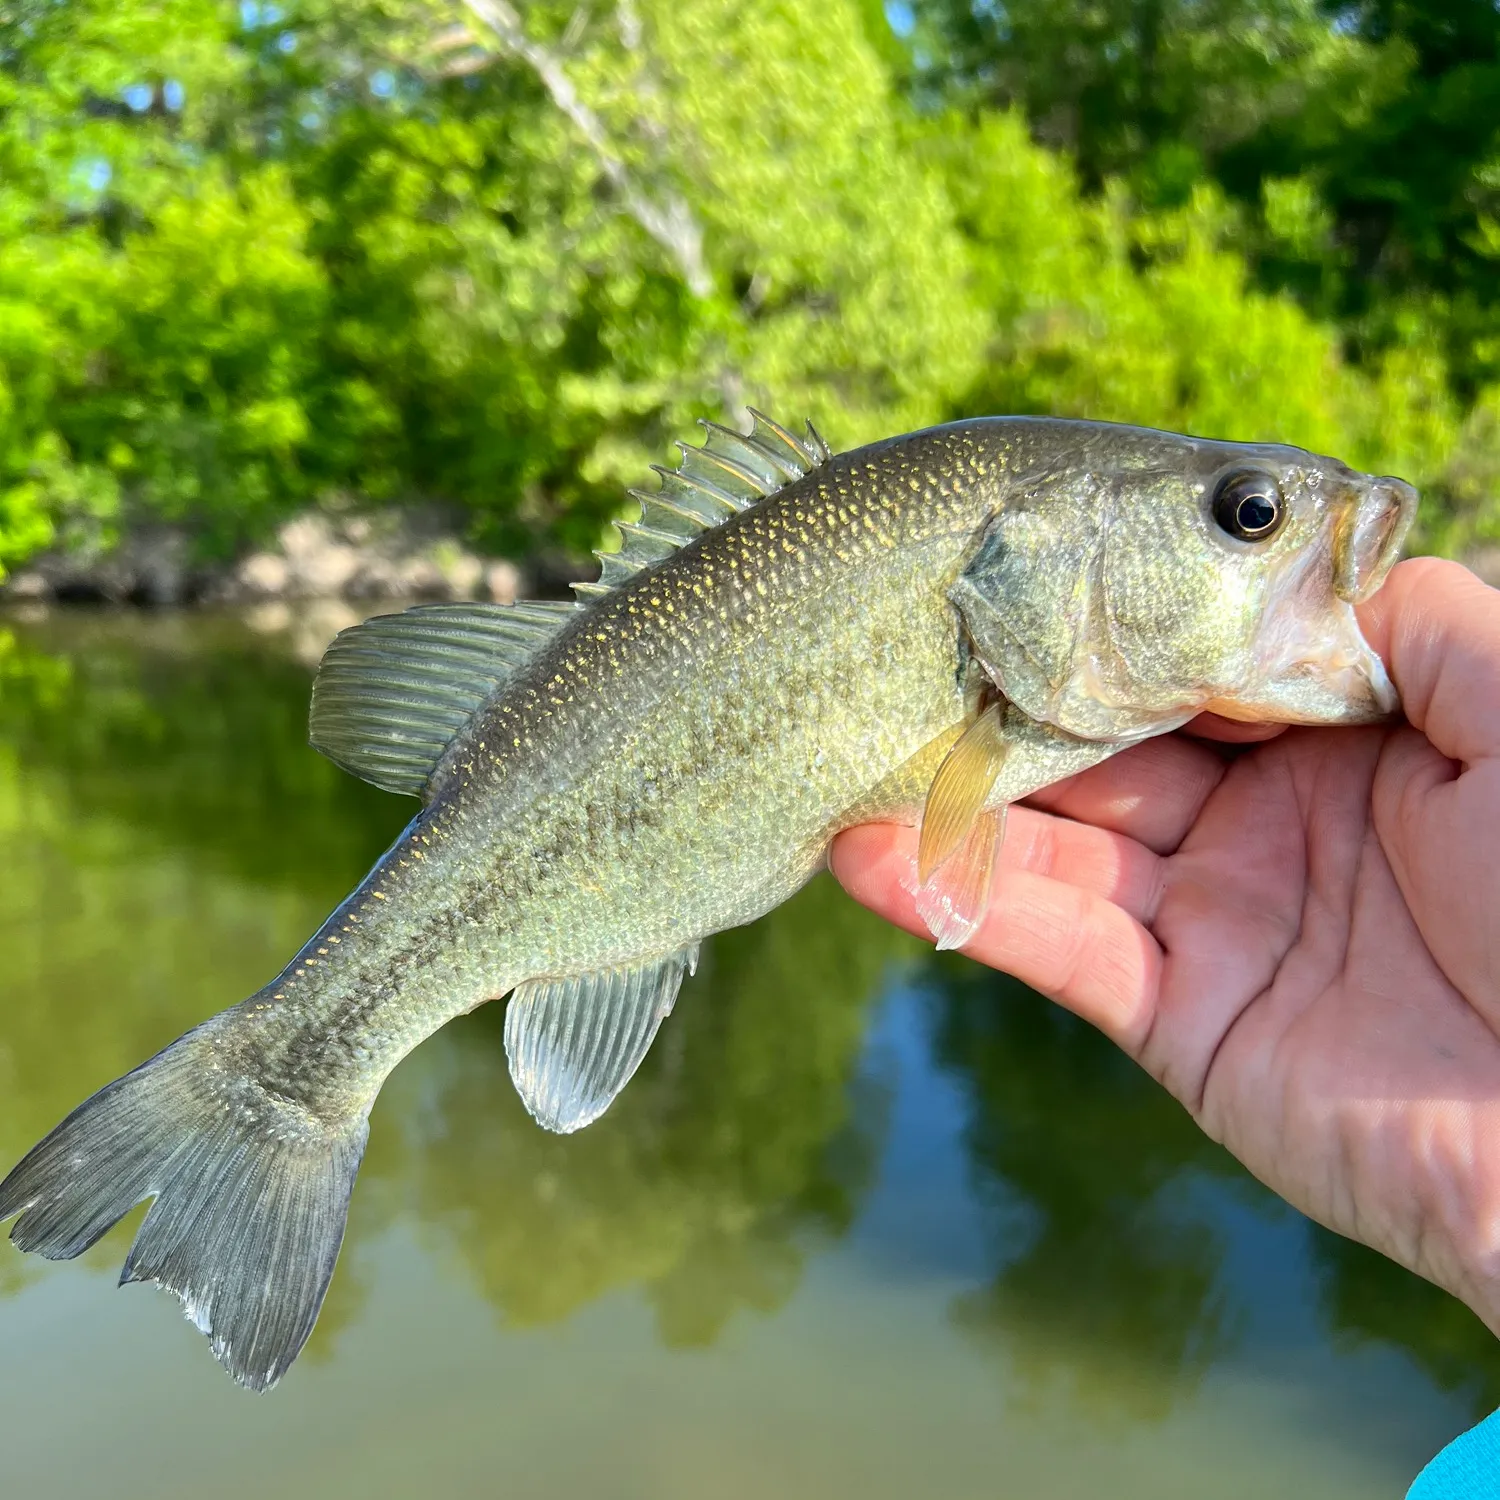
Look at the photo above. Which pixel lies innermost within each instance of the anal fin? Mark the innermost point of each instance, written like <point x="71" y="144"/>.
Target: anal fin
<point x="573" y="1044"/>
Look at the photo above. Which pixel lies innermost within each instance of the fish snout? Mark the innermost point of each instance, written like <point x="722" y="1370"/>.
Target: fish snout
<point x="1369" y="539"/>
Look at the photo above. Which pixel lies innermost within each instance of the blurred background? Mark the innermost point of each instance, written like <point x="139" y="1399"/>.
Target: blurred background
<point x="466" y="268"/>
<point x="305" y="306"/>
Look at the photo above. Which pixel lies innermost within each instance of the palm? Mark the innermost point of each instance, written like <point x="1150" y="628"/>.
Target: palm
<point x="1298" y="942"/>
<point x="1306" y="1011"/>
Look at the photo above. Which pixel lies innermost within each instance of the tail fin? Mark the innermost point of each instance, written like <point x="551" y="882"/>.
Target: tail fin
<point x="251" y="1194"/>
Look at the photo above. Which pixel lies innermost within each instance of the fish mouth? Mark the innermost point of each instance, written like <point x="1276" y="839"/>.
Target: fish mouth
<point x="1342" y="680"/>
<point x="1317" y="673"/>
<point x="1313" y="664"/>
<point x="1368" y="537"/>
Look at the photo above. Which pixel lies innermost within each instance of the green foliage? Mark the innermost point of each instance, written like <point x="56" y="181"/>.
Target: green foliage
<point x="1361" y="149"/>
<point x="1105" y="314"/>
<point x="158" y="305"/>
<point x="259" y="259"/>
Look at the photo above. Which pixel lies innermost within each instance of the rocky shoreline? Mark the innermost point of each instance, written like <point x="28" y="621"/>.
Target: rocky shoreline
<point x="364" y="562"/>
<point x="358" y="559"/>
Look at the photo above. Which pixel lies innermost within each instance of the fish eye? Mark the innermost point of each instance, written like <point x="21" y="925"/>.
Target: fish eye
<point x="1249" y="505"/>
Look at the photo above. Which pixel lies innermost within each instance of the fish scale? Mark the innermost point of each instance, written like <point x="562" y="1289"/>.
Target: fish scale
<point x="787" y="643"/>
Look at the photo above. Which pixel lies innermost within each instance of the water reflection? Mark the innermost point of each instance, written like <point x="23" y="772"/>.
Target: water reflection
<point x="1366" y="1300"/>
<point x="1103" y="1264"/>
<point x="166" y="838"/>
<point x="744" y="1138"/>
<point x="1109" y="1236"/>
<point x="134" y="765"/>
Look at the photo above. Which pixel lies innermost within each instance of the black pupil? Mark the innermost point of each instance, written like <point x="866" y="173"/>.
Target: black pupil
<point x="1255" y="513"/>
<point x="1248" y="505"/>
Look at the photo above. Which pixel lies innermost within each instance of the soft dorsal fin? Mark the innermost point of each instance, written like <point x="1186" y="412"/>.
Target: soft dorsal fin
<point x="730" y="471"/>
<point x="391" y="694"/>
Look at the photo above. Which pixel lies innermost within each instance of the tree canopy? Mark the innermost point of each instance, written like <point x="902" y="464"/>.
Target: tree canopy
<point x="498" y="257"/>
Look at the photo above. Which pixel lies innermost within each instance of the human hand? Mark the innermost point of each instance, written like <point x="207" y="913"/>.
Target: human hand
<point x="1301" y="942"/>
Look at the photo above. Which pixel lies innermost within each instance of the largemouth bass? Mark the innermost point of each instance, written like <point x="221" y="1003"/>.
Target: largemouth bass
<point x="788" y="643"/>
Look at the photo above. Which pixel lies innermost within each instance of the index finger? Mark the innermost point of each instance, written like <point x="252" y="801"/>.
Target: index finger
<point x="1152" y="792"/>
<point x="1070" y="941"/>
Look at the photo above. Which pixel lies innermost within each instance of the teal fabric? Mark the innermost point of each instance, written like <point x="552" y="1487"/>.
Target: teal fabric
<point x="1467" y="1469"/>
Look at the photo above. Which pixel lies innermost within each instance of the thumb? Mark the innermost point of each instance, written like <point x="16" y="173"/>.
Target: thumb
<point x="1437" y="628"/>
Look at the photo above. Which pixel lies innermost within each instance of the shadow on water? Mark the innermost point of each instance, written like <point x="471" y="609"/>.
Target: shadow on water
<point x="167" y="838"/>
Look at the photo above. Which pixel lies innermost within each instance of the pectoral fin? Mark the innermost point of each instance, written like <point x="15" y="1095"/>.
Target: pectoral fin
<point x="960" y="836"/>
<point x="959" y="790"/>
<point x="953" y="900"/>
<point x="1000" y="758"/>
<point x="573" y="1044"/>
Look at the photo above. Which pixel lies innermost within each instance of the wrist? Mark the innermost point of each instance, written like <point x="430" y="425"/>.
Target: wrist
<point x="1454" y="1235"/>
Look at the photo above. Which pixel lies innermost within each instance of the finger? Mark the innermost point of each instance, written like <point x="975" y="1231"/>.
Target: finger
<point x="1437" y="627"/>
<point x="1072" y="944"/>
<point x="1231" y="731"/>
<point x="1431" y="821"/>
<point x="1151" y="793"/>
<point x="1093" y="859"/>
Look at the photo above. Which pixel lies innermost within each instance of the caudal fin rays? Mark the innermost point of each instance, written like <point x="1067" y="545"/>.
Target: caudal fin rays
<point x="250" y="1192"/>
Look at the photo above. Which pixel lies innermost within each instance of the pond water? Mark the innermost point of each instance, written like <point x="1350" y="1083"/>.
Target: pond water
<point x="869" y="1222"/>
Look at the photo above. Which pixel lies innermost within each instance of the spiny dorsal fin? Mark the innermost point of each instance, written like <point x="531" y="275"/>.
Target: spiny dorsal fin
<point x="730" y="471"/>
<point x="391" y="694"/>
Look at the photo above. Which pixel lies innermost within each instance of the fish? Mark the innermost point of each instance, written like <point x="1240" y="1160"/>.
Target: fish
<point x="786" y="643"/>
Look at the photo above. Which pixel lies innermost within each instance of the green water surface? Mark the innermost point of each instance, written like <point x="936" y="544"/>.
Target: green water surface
<point x="868" y="1222"/>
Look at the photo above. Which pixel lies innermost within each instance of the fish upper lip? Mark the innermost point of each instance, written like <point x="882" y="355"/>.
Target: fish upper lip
<point x="1369" y="537"/>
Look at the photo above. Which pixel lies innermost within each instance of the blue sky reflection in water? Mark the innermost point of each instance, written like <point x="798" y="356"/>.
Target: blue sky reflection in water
<point x="869" y="1222"/>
